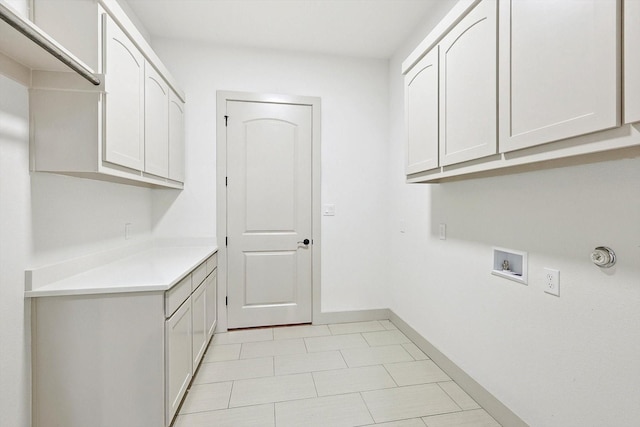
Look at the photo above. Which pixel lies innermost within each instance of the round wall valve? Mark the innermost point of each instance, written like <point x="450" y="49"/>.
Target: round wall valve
<point x="603" y="257"/>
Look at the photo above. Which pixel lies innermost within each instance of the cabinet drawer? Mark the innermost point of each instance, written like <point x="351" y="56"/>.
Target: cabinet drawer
<point x="198" y="275"/>
<point x="175" y="296"/>
<point x="212" y="263"/>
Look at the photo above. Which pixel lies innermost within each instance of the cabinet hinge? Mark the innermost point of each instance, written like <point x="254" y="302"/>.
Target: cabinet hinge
<point x="226" y="300"/>
<point x="226" y="119"/>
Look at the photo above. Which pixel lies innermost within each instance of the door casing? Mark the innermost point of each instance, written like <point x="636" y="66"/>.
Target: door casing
<point x="221" y="194"/>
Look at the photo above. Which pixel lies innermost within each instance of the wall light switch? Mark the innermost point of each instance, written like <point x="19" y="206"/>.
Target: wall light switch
<point x="329" y="210"/>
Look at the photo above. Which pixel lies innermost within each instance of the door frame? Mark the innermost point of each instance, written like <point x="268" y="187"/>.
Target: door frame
<point x="222" y="96"/>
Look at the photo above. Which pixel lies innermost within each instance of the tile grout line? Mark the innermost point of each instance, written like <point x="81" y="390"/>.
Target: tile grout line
<point x="450" y="397"/>
<point x="230" y="393"/>
<point x="367" y="406"/>
<point x="389" y="373"/>
<point x="275" y="422"/>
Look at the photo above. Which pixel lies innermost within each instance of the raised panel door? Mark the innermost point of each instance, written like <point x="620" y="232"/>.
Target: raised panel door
<point x="468" y="87"/>
<point x="124" y="99"/>
<point x="211" y="305"/>
<point x="178" y="363"/>
<point x="176" y="138"/>
<point x="631" y="61"/>
<point x="156" y="123"/>
<point x="198" y="314"/>
<point x="421" y="114"/>
<point x="559" y="70"/>
<point x="269" y="200"/>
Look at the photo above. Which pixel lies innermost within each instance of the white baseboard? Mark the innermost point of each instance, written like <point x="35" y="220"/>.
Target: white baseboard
<point x="351" y="316"/>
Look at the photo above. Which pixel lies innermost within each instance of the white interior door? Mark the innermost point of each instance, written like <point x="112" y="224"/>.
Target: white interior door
<point x="269" y="202"/>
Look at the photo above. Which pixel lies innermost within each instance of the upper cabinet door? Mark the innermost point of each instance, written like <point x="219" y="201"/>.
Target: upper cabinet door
<point x="468" y="87"/>
<point x="559" y="70"/>
<point x="421" y="114"/>
<point x="176" y="138"/>
<point x="124" y="99"/>
<point x="631" y="61"/>
<point x="156" y="123"/>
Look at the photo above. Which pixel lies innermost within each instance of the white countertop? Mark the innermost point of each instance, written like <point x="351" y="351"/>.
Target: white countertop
<point x="154" y="269"/>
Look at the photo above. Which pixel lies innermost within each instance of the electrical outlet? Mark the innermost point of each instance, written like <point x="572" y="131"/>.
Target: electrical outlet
<point x="552" y="281"/>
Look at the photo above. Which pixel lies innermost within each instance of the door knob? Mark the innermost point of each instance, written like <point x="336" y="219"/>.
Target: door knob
<point x="305" y="242"/>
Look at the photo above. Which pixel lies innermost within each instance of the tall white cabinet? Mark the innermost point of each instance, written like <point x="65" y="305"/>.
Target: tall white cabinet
<point x="559" y="70"/>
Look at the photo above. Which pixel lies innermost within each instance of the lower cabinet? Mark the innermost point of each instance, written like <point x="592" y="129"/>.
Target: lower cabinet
<point x="211" y="306"/>
<point x="120" y="359"/>
<point x="179" y="367"/>
<point x="198" y="313"/>
<point x="188" y="330"/>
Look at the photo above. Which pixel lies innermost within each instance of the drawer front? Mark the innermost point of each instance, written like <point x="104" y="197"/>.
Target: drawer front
<point x="175" y="296"/>
<point x="198" y="275"/>
<point x="212" y="263"/>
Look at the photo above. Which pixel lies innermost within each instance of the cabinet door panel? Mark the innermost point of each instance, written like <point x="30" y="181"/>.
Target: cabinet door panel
<point x="212" y="289"/>
<point x="198" y="313"/>
<point x="178" y="358"/>
<point x="421" y="114"/>
<point x="124" y="99"/>
<point x="468" y="87"/>
<point x="631" y="61"/>
<point x="176" y="138"/>
<point x="156" y="123"/>
<point x="559" y="67"/>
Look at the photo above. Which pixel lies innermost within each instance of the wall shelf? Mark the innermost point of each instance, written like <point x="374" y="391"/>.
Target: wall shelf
<point x="29" y="53"/>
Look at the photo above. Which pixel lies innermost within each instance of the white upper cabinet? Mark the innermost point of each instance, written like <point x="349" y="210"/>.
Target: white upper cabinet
<point x="631" y="61"/>
<point x="559" y="70"/>
<point x="176" y="138"/>
<point x="156" y="123"/>
<point x="421" y="114"/>
<point x="468" y="87"/>
<point x="130" y="128"/>
<point x="124" y="99"/>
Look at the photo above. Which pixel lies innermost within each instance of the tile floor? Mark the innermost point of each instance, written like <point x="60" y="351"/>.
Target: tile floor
<point x="349" y="374"/>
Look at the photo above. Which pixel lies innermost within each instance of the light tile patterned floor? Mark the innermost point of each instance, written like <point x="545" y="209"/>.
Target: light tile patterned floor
<point x="350" y="374"/>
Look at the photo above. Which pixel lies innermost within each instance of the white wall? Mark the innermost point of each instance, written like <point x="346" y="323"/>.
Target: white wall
<point x="568" y="361"/>
<point x="15" y="249"/>
<point x="46" y="218"/>
<point x="354" y="155"/>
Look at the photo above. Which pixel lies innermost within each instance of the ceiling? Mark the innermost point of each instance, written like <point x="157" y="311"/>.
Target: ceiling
<point x="361" y="28"/>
